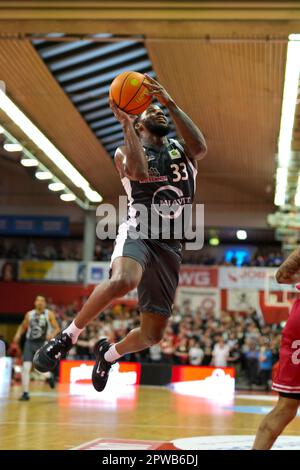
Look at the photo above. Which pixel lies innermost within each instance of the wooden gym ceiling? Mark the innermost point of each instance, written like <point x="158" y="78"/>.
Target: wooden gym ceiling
<point x="223" y="62"/>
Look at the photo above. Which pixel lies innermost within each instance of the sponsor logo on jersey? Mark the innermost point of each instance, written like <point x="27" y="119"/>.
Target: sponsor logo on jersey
<point x="174" y="154"/>
<point x="162" y="205"/>
<point x="150" y="157"/>
<point x="153" y="171"/>
<point x="154" y="176"/>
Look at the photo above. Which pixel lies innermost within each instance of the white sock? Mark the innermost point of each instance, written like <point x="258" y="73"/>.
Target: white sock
<point x="112" y="354"/>
<point x="73" y="332"/>
<point x="26" y="376"/>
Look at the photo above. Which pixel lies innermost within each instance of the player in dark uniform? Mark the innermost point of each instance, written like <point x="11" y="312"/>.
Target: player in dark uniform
<point x="37" y="324"/>
<point x="159" y="173"/>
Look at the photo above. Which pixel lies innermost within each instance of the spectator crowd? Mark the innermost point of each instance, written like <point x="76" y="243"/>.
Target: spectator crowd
<point x="71" y="250"/>
<point x="192" y="337"/>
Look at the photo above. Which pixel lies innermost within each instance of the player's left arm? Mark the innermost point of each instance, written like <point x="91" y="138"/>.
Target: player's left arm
<point x="289" y="271"/>
<point x="54" y="324"/>
<point x="194" y="140"/>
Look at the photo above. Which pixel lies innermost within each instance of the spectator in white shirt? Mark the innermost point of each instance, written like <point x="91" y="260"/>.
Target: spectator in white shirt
<point x="155" y="353"/>
<point x="220" y="354"/>
<point x="195" y="352"/>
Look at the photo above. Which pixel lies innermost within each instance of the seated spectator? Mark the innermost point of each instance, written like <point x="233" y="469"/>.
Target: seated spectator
<point x="8" y="271"/>
<point x="207" y="358"/>
<point x="98" y="254"/>
<point x="155" y="353"/>
<point x="49" y="252"/>
<point x="265" y="359"/>
<point x="83" y="345"/>
<point x="234" y="358"/>
<point x="182" y="351"/>
<point x="251" y="359"/>
<point x="31" y="252"/>
<point x="167" y="347"/>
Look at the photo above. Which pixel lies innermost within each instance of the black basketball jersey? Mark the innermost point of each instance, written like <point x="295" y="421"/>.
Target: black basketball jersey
<point x="166" y="192"/>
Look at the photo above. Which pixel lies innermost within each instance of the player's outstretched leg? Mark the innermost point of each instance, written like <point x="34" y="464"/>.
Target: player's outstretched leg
<point x="126" y="275"/>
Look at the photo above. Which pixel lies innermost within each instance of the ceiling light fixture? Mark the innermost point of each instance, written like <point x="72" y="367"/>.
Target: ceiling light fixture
<point x="281" y="184"/>
<point x="43" y="175"/>
<point x="289" y="102"/>
<point x="14" y="113"/>
<point x="93" y="196"/>
<point x="29" y="162"/>
<point x="13" y="147"/>
<point x="56" y="186"/>
<point x="68" y="197"/>
<point x="241" y="235"/>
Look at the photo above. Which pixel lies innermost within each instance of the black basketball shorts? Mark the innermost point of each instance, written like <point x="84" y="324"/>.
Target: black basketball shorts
<point x="30" y="348"/>
<point x="160" y="262"/>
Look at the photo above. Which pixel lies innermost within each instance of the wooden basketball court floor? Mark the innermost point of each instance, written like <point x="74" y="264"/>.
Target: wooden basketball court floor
<point x="55" y="419"/>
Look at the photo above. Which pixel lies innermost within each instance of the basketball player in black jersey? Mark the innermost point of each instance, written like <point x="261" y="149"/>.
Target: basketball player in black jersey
<point x="39" y="325"/>
<point x="154" y="170"/>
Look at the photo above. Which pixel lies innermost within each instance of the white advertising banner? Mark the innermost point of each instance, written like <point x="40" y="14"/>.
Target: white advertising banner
<point x="205" y="298"/>
<point x="5" y="375"/>
<point x="242" y="300"/>
<point x="247" y="278"/>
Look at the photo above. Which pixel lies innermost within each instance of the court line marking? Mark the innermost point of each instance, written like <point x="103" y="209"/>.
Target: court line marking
<point x="124" y="425"/>
<point x="89" y="443"/>
<point x="115" y="440"/>
<point x="258" y="397"/>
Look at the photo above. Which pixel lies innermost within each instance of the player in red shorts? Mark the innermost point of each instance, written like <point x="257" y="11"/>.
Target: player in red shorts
<point x="287" y="380"/>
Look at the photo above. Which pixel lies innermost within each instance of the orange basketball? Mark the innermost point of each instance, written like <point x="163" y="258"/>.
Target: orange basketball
<point x="129" y="92"/>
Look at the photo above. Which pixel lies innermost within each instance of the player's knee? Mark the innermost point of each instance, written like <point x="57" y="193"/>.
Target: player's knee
<point x="288" y="410"/>
<point x="120" y="285"/>
<point x="152" y="337"/>
<point x="267" y="428"/>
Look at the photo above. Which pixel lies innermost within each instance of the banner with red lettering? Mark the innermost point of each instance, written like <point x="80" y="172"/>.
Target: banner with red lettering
<point x="194" y="276"/>
<point x="247" y="278"/>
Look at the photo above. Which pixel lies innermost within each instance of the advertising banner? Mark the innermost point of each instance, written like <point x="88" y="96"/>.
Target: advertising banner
<point x="247" y="278"/>
<point x="203" y="381"/>
<point x="58" y="271"/>
<point x="242" y="300"/>
<point x="195" y="276"/>
<point x="97" y="272"/>
<point x="34" y="225"/>
<point x="206" y="299"/>
<point x="80" y="372"/>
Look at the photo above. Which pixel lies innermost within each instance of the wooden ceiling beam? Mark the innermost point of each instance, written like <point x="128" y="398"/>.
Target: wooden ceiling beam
<point x="150" y="10"/>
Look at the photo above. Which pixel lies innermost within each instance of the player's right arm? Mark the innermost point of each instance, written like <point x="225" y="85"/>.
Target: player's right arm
<point x="289" y="271"/>
<point x="22" y="329"/>
<point x="130" y="159"/>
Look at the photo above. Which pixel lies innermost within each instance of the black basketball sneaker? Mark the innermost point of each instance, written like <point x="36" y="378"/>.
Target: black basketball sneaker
<point x="25" y="397"/>
<point x="102" y="367"/>
<point x="51" y="380"/>
<point x="48" y="356"/>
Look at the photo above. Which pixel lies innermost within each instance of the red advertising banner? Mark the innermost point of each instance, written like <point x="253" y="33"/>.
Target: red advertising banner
<point x="190" y="373"/>
<point x="80" y="372"/>
<point x="218" y="382"/>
